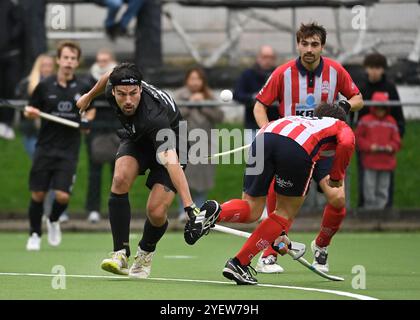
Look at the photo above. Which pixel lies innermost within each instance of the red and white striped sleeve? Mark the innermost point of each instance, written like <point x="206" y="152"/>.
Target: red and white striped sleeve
<point x="343" y="152"/>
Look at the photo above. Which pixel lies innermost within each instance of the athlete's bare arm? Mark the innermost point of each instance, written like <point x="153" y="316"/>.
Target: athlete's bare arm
<point x="85" y="100"/>
<point x="356" y="102"/>
<point x="170" y="160"/>
<point x="260" y="114"/>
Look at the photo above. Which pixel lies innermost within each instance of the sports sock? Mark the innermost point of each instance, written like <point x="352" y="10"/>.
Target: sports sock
<point x="57" y="210"/>
<point x="271" y="206"/>
<point x="35" y="217"/>
<point x="262" y="237"/>
<point x="151" y="236"/>
<point x="331" y="221"/>
<point x="235" y="210"/>
<point x="119" y="218"/>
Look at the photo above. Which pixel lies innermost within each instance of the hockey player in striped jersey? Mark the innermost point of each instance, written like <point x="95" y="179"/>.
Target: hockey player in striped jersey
<point x="292" y="147"/>
<point x="299" y="86"/>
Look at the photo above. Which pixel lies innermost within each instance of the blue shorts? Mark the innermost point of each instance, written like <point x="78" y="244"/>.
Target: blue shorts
<point x="286" y="161"/>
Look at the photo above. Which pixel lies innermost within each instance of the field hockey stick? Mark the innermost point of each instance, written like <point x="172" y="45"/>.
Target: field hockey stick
<point x="291" y="253"/>
<point x="69" y="123"/>
<point x="221" y="154"/>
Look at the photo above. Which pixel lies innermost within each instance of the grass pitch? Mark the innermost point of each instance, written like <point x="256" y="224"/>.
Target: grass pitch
<point x="390" y="262"/>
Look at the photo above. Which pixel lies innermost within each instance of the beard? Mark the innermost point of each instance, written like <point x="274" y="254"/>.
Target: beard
<point x="309" y="58"/>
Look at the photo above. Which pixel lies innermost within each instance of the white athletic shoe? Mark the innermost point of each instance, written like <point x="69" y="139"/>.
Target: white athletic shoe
<point x="320" y="257"/>
<point x="64" y="217"/>
<point x="34" y="242"/>
<point x="94" y="217"/>
<point x="54" y="233"/>
<point x="118" y="263"/>
<point x="268" y="265"/>
<point x="6" y="132"/>
<point x="142" y="264"/>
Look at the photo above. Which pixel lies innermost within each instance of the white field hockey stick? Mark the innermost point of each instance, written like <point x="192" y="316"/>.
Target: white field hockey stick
<point x="60" y="120"/>
<point x="221" y="154"/>
<point x="301" y="259"/>
<point x="69" y="123"/>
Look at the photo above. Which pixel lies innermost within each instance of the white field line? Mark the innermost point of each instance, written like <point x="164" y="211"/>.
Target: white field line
<point x="334" y="292"/>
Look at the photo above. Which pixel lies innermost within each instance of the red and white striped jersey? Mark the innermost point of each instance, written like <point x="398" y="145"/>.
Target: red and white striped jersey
<point x="299" y="91"/>
<point x="320" y="137"/>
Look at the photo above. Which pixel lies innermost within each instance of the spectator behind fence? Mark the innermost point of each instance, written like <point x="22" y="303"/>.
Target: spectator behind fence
<point x="11" y="44"/>
<point x="114" y="28"/>
<point x="102" y="141"/>
<point x="200" y="176"/>
<point x="378" y="141"/>
<point x="376" y="81"/>
<point x="250" y="83"/>
<point x="41" y="69"/>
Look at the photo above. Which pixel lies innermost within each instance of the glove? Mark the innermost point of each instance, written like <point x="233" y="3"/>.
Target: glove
<point x="84" y="124"/>
<point x="282" y="244"/>
<point x="345" y="105"/>
<point x="192" y="211"/>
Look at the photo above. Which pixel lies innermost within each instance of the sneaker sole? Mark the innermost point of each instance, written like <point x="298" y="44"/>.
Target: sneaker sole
<point x="262" y="270"/>
<point x="209" y="224"/>
<point x="138" y="276"/>
<point x="229" y="274"/>
<point x="113" y="268"/>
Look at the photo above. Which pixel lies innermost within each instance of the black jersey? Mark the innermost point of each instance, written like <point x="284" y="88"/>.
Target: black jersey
<point x="157" y="111"/>
<point x="54" y="138"/>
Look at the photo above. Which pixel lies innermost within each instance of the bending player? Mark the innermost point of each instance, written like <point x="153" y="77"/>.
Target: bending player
<point x="299" y="85"/>
<point x="148" y="115"/>
<point x="292" y="147"/>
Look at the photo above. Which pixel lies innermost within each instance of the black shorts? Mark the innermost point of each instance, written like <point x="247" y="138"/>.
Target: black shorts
<point x="286" y="161"/>
<point x="52" y="173"/>
<point x="145" y="154"/>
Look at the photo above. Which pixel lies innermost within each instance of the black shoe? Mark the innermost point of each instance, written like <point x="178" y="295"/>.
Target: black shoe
<point x="200" y="224"/>
<point x="233" y="270"/>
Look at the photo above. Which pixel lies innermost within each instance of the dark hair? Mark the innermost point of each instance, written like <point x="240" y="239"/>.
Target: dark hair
<point x="205" y="89"/>
<point x="330" y="110"/>
<point x="74" y="46"/>
<point x="310" y="30"/>
<point x="125" y="71"/>
<point x="375" y="60"/>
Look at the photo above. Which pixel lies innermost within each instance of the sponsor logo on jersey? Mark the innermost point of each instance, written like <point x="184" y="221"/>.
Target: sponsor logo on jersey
<point x="306" y="109"/>
<point x="65" y="106"/>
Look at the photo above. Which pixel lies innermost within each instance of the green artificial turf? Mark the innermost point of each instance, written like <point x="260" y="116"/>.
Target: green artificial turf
<point x="390" y="260"/>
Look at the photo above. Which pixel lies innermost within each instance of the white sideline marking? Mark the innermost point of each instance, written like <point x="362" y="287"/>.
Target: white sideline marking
<point x="179" y="257"/>
<point x="335" y="292"/>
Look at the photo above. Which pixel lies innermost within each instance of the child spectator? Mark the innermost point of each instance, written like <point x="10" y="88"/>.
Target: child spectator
<point x="378" y="141"/>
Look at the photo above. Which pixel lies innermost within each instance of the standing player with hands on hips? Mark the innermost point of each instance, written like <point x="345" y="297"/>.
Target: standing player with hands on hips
<point x="299" y="86"/>
<point x="57" y="150"/>
<point x="146" y="113"/>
